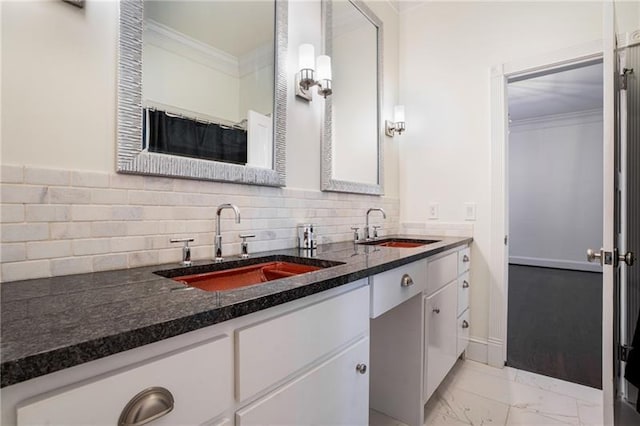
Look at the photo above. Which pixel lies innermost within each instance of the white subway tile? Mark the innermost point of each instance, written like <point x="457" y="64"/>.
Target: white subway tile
<point x="12" y="174"/>
<point x="63" y="231"/>
<point x="109" y="262"/>
<point x="91" y="246"/>
<point x="153" y="198"/>
<point x="71" y="265"/>
<point x="93" y="180"/>
<point x="157" y="213"/>
<point x="121" y="244"/>
<point x="13" y="252"/>
<point x="125" y="181"/>
<point x="127" y="213"/>
<point x="25" y="270"/>
<point x="47" y="213"/>
<point x="108" y="229"/>
<point x="152" y="183"/>
<point x="173" y="227"/>
<point x="143" y="228"/>
<point x="69" y="195"/>
<point x="172" y="255"/>
<point x="24" y="194"/>
<point x="91" y="213"/>
<point x="109" y="196"/>
<point x="38" y="176"/>
<point x="24" y="232"/>
<point x="143" y="258"/>
<point x="48" y="249"/>
<point x="12" y="213"/>
<point x="191" y="213"/>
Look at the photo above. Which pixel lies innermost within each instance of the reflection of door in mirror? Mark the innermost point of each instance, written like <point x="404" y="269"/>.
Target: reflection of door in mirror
<point x="355" y="95"/>
<point x="208" y="77"/>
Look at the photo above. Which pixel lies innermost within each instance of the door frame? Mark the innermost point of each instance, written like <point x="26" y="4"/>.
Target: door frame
<point x="500" y="74"/>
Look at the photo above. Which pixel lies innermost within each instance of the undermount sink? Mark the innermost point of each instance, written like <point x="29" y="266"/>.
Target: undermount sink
<point x="243" y="273"/>
<point x="399" y="242"/>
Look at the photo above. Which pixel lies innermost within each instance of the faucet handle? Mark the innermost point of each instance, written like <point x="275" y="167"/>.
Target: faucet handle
<point x="186" y="250"/>
<point x="375" y="230"/>
<point x="244" y="247"/>
<point x="356" y="236"/>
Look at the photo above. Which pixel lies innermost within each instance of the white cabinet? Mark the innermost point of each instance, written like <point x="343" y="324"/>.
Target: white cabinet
<point x="333" y="393"/>
<point x="200" y="393"/>
<point x="440" y="313"/>
<point x="272" y="350"/>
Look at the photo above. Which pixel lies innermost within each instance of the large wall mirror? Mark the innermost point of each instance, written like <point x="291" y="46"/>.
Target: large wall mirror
<point x="352" y="159"/>
<point x="202" y="89"/>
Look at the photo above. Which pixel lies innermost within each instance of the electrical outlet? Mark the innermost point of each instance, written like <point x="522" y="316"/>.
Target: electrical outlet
<point x="434" y="211"/>
<point x="469" y="211"/>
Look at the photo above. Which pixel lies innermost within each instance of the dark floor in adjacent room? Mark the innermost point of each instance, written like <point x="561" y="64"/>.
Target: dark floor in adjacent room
<point x="555" y="323"/>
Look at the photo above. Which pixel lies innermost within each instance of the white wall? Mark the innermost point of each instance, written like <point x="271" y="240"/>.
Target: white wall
<point x="555" y="190"/>
<point x="627" y="15"/>
<point x="59" y="67"/>
<point x="446" y="51"/>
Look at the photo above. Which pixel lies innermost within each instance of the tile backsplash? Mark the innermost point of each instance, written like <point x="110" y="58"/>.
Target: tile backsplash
<point x="60" y="222"/>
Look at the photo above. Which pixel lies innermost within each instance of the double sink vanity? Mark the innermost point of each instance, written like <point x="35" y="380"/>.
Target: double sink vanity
<point x="279" y="338"/>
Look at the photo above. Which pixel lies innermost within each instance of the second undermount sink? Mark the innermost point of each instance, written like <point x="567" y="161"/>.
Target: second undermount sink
<point x="399" y="242"/>
<point x="246" y="272"/>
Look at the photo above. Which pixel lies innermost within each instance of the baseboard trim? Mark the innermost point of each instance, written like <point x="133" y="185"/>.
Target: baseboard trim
<point x="477" y="350"/>
<point x="495" y="352"/>
<point x="555" y="263"/>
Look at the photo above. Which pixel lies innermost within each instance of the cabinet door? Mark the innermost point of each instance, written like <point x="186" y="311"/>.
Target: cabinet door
<point x="333" y="393"/>
<point x="441" y="337"/>
<point x="199" y="379"/>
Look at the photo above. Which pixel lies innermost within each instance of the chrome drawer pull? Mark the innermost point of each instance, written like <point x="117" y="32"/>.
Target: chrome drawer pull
<point x="147" y="406"/>
<point x="465" y="284"/>
<point x="465" y="324"/>
<point x="361" y="368"/>
<point x="406" y="281"/>
<point x="465" y="258"/>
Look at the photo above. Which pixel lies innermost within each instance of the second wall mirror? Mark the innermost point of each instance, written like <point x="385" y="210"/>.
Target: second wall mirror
<point x="352" y="157"/>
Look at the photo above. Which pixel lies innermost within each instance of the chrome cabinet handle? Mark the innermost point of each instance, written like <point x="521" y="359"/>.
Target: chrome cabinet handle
<point x="361" y="368"/>
<point x="593" y="255"/>
<point x="147" y="406"/>
<point x="465" y="324"/>
<point x="436" y="311"/>
<point x="465" y="284"/>
<point x="406" y="281"/>
<point x="465" y="258"/>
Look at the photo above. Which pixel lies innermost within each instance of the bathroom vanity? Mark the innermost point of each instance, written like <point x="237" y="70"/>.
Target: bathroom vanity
<point x="317" y="348"/>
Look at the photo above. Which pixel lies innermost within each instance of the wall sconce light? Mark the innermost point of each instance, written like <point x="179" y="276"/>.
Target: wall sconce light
<point x="397" y="125"/>
<point x="306" y="76"/>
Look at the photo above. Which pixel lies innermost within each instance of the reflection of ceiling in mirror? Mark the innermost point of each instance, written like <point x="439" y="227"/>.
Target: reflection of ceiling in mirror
<point x="215" y="22"/>
<point x="346" y="18"/>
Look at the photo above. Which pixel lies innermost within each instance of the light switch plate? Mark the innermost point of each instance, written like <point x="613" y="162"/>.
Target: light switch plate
<point x="434" y="210"/>
<point x="469" y="211"/>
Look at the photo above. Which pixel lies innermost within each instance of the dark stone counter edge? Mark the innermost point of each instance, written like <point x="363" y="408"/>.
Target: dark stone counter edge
<point x="30" y="367"/>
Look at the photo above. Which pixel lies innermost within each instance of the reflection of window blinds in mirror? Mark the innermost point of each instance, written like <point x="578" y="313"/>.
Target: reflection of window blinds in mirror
<point x="176" y="135"/>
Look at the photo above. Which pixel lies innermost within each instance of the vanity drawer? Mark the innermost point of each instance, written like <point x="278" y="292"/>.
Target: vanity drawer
<point x="463" y="332"/>
<point x="464" y="260"/>
<point x="463" y="292"/>
<point x="271" y="351"/>
<point x="441" y="272"/>
<point x="391" y="288"/>
<point x="199" y="394"/>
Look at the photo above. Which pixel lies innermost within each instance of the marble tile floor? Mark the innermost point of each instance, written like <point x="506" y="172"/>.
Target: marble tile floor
<point x="476" y="394"/>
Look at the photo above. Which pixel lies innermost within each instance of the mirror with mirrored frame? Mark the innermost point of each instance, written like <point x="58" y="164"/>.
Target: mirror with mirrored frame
<point x="202" y="90"/>
<point x="352" y="158"/>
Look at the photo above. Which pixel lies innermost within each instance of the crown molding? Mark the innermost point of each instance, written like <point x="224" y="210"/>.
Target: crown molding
<point x="628" y="39"/>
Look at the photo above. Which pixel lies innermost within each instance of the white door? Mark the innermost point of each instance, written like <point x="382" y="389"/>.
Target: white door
<point x="613" y="255"/>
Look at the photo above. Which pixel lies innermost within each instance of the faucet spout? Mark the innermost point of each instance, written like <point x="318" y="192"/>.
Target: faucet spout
<point x="218" y="239"/>
<point x="366" y="228"/>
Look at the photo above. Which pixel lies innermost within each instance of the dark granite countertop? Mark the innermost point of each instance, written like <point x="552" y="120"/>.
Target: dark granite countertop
<point x="55" y="323"/>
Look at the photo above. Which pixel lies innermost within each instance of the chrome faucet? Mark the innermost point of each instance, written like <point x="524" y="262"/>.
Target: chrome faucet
<point x="218" y="240"/>
<point x="366" y="227"/>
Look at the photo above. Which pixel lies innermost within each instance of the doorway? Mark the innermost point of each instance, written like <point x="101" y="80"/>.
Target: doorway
<point x="554" y="170"/>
